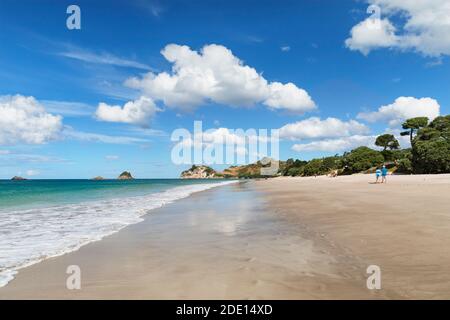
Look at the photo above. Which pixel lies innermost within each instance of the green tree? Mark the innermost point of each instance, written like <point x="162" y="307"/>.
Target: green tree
<point x="403" y="160"/>
<point x="404" y="165"/>
<point x="331" y="163"/>
<point x="313" y="167"/>
<point x="295" y="171"/>
<point x="361" y="159"/>
<point x="412" y="126"/>
<point x="387" y="141"/>
<point x="431" y="147"/>
<point x="293" y="168"/>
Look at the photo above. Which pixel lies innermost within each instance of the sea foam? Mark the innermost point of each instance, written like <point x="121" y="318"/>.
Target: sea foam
<point x="30" y="236"/>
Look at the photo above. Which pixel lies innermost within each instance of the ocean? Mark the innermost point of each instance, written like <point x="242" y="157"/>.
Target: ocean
<point x="46" y="218"/>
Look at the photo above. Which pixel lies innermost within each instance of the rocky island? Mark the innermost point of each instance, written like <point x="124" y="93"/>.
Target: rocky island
<point x="200" y="172"/>
<point x="17" y="178"/>
<point x="125" y="176"/>
<point x="98" y="178"/>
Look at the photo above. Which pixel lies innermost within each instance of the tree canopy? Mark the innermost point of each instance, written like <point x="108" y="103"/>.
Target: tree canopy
<point x="431" y="147"/>
<point x="387" y="141"/>
<point x="413" y="125"/>
<point x="361" y="159"/>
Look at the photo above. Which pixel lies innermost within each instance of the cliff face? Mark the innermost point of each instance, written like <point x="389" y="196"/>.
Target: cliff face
<point x="249" y="171"/>
<point x="125" y="176"/>
<point x="200" y="172"/>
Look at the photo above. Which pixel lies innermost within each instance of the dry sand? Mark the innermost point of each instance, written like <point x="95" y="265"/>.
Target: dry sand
<point x="402" y="226"/>
<point x="284" y="238"/>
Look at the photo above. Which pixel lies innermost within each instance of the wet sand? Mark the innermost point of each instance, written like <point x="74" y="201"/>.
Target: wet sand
<point x="284" y="238"/>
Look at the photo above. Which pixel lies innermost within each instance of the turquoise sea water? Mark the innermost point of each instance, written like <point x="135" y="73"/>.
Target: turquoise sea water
<point x="38" y="193"/>
<point x="46" y="218"/>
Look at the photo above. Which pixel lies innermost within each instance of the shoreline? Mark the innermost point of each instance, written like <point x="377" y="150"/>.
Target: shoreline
<point x="10" y="274"/>
<point x="282" y="238"/>
<point x="235" y="250"/>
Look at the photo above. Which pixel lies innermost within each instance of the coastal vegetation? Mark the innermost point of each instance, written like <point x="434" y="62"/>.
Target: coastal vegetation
<point x="429" y="153"/>
<point x="431" y="147"/>
<point x="244" y="172"/>
<point x="200" y="172"/>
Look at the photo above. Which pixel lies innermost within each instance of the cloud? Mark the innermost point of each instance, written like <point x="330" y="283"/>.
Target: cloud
<point x="32" y="172"/>
<point x="314" y="128"/>
<point x="424" y="28"/>
<point x="148" y="132"/>
<point x="4" y="152"/>
<point x="285" y="48"/>
<point x="336" y="145"/>
<point x="434" y="63"/>
<point x="218" y="136"/>
<point x="401" y="109"/>
<point x="68" y="108"/>
<point x="241" y="142"/>
<point x="254" y="39"/>
<point x="112" y="157"/>
<point x="215" y="75"/>
<point x="13" y="158"/>
<point x="153" y="7"/>
<point x="25" y="120"/>
<point x="35" y="158"/>
<point x="288" y="96"/>
<point x="366" y="36"/>
<point x="70" y="133"/>
<point x="138" y="112"/>
<point x="101" y="58"/>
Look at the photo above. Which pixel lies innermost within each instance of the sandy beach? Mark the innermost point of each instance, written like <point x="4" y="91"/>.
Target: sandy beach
<point x="282" y="238"/>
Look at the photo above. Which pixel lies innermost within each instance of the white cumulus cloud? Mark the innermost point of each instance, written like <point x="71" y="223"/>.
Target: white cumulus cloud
<point x="288" y="96"/>
<point x="369" y="34"/>
<point x="242" y="143"/>
<point x="423" y="26"/>
<point x="314" y="128"/>
<point x="336" y="145"/>
<point x="25" y="120"/>
<point x="139" y="111"/>
<point x="214" y="74"/>
<point x="403" y="108"/>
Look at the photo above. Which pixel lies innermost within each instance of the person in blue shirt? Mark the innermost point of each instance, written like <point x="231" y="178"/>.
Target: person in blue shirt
<point x="384" y="172"/>
<point x="377" y="174"/>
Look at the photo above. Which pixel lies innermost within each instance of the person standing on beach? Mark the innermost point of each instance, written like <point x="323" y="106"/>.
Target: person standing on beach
<point x="384" y="172"/>
<point x="377" y="174"/>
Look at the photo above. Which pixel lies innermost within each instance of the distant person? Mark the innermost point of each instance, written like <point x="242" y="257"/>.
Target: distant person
<point x="384" y="172"/>
<point x="377" y="174"/>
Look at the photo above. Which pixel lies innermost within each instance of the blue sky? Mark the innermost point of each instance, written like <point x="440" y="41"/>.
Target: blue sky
<point x="349" y="82"/>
